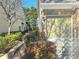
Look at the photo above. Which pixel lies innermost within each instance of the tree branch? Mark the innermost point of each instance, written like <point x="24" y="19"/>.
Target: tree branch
<point x="9" y="8"/>
<point x="51" y="27"/>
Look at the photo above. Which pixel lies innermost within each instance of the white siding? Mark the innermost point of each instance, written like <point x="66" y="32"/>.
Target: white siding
<point x="16" y="25"/>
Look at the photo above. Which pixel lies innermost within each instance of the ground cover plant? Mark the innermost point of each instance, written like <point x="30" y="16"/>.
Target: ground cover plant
<point x="9" y="41"/>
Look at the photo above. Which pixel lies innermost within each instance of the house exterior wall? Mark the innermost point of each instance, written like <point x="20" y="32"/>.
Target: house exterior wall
<point x="17" y="26"/>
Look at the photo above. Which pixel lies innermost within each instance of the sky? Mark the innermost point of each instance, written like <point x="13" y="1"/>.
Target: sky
<point x="29" y="3"/>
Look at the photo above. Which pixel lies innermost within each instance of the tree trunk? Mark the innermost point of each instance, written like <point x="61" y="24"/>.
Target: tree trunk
<point x="9" y="30"/>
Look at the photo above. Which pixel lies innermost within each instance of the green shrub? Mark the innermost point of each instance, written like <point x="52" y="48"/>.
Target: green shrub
<point x="7" y="41"/>
<point x="15" y="36"/>
<point x="3" y="43"/>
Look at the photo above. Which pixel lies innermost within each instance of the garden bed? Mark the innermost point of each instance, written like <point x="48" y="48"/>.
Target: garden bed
<point x="40" y="48"/>
<point x="9" y="41"/>
<point x="17" y="52"/>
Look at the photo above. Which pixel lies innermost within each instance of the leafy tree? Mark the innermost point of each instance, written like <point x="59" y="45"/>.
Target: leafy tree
<point x="31" y="16"/>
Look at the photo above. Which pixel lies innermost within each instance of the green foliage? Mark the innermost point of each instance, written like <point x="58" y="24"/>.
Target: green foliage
<point x="3" y="43"/>
<point x="30" y="37"/>
<point x="31" y="15"/>
<point x="8" y="41"/>
<point x="15" y="36"/>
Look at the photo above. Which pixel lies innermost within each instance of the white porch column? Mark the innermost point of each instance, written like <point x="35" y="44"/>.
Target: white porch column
<point x="76" y="39"/>
<point x="70" y="53"/>
<point x="40" y="21"/>
<point x="77" y="43"/>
